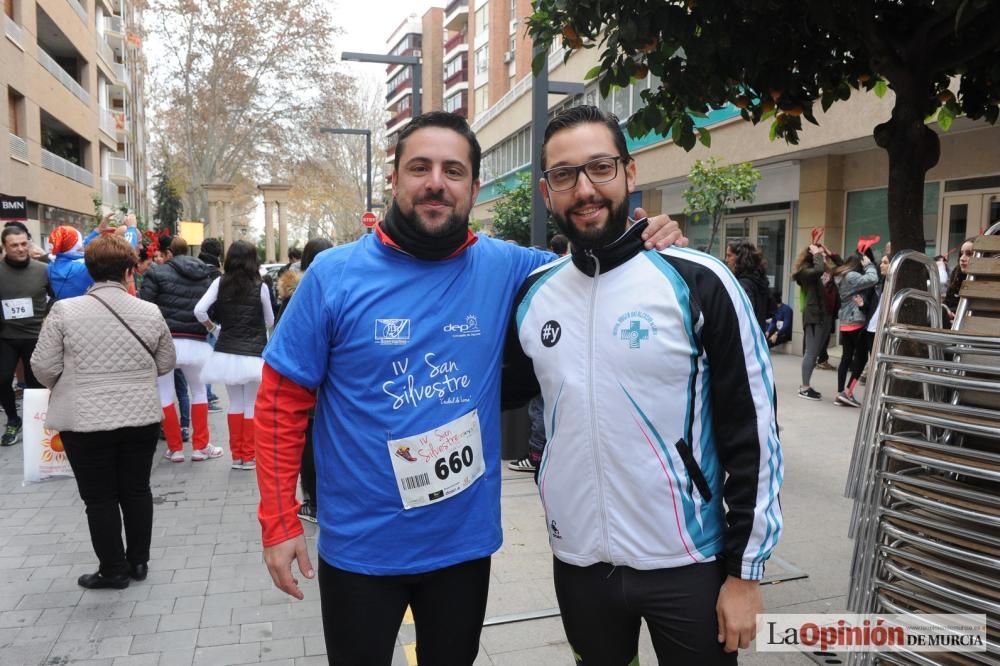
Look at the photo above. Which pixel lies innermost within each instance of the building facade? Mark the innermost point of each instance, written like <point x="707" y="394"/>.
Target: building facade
<point x="74" y="134"/>
<point x="835" y="179"/>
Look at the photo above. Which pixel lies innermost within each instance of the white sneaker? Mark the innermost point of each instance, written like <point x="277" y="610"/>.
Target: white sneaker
<point x="173" y="456"/>
<point x="237" y="463"/>
<point x="249" y="465"/>
<point x="210" y="451"/>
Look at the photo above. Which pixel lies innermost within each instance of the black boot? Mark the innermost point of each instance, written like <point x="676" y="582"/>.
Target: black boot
<point x="138" y="571"/>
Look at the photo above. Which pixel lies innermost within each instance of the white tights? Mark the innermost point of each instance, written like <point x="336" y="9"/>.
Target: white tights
<point x="242" y="398"/>
<point x="192" y="373"/>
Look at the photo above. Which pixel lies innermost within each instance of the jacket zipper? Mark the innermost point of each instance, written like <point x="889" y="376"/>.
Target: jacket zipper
<point x="594" y="439"/>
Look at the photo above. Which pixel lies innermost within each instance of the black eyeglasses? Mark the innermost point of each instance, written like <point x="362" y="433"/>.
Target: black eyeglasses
<point x="600" y="170"/>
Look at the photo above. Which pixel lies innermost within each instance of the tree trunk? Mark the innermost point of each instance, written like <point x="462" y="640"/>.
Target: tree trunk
<point x="913" y="149"/>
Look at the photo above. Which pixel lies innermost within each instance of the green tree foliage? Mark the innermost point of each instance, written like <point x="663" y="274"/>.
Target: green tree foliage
<point x="169" y="205"/>
<point x="714" y="189"/>
<point x="775" y="60"/>
<point x="512" y="213"/>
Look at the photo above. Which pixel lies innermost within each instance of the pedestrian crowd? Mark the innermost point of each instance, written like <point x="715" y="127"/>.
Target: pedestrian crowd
<point x="365" y="392"/>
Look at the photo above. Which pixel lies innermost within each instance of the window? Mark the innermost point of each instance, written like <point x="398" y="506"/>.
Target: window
<point x="482" y="98"/>
<point x="867" y="214"/>
<point x="620" y="105"/>
<point x="483" y="18"/>
<point x="455" y="102"/>
<point x="483" y="59"/>
<point x="15" y="112"/>
<point x="454" y="66"/>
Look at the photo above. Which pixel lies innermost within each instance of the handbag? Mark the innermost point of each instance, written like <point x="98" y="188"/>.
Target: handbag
<point x="127" y="327"/>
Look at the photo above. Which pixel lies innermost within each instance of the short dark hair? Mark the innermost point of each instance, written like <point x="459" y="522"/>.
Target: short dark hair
<point x="212" y="246"/>
<point x="108" y="257"/>
<point x="13" y="231"/>
<point x="14" y="224"/>
<point x="446" y="120"/>
<point x="294" y="254"/>
<point x="178" y="246"/>
<point x="579" y="115"/>
<point x="559" y="244"/>
<point x="163" y="243"/>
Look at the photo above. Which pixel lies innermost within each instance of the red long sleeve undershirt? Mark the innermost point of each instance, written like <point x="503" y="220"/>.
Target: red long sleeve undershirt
<point x="280" y="418"/>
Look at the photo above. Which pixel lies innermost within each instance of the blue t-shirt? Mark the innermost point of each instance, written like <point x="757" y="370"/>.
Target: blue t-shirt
<point x="396" y="347"/>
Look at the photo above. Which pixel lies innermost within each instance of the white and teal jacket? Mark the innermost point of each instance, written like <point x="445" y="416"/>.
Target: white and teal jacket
<point x="662" y="446"/>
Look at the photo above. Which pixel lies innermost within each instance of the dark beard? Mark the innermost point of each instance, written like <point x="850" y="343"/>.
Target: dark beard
<point x="411" y="235"/>
<point x="613" y="229"/>
<point x="455" y="224"/>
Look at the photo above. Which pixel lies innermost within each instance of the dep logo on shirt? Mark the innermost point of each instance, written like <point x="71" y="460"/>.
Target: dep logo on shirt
<point x="392" y="331"/>
<point x="466" y="329"/>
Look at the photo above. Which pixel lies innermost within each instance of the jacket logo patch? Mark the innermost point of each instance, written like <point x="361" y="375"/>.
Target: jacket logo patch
<point x="634" y="328"/>
<point x="392" y="331"/>
<point x="551" y="332"/>
<point x="467" y="329"/>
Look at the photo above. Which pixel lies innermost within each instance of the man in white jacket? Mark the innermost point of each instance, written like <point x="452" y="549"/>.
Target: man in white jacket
<point x="662" y="465"/>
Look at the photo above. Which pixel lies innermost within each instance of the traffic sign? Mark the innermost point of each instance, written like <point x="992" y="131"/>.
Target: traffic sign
<point x="369" y="219"/>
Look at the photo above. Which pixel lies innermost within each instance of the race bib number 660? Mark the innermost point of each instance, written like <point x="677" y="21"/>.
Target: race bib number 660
<point x="439" y="463"/>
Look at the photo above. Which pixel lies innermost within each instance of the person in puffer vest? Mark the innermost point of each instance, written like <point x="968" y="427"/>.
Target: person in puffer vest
<point x="176" y="286"/>
<point x="238" y="307"/>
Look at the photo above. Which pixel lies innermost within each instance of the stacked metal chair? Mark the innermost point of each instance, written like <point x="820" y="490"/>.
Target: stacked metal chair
<point x="925" y="471"/>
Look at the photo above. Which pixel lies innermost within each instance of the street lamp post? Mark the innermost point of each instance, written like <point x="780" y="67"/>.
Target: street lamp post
<point x="541" y="88"/>
<point x="368" y="154"/>
<point x="413" y="61"/>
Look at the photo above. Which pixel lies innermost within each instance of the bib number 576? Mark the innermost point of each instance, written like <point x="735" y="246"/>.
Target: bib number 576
<point x="453" y="464"/>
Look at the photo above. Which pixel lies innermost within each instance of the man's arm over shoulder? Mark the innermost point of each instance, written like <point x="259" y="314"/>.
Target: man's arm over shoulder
<point x="743" y="420"/>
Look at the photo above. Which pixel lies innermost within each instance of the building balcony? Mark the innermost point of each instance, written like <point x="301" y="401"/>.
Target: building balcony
<point x="64" y="167"/>
<point x="120" y="171"/>
<point x="412" y="51"/>
<point x="456" y="40"/>
<point x="461" y="76"/>
<point x="456" y="14"/>
<point x="14" y="32"/>
<point x="46" y="61"/>
<point x="80" y="10"/>
<point x="398" y="119"/>
<point x="109" y="193"/>
<point x="18" y="148"/>
<point x="114" y="25"/>
<point x="402" y="86"/>
<point x="107" y="123"/>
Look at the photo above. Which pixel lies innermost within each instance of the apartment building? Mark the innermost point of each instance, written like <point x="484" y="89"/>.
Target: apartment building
<point x="472" y="54"/>
<point x="835" y="178"/>
<point x="72" y="72"/>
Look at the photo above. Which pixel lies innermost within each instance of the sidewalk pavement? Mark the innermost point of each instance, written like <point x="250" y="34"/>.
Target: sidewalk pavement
<point x="209" y="601"/>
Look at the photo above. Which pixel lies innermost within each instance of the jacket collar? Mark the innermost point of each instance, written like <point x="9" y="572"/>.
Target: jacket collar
<point x="611" y="256"/>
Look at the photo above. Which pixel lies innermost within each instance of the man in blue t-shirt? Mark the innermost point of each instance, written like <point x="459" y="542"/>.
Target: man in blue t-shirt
<point x="396" y="340"/>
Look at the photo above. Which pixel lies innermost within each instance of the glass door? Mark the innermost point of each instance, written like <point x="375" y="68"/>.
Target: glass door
<point x="769" y="233"/>
<point x="964" y="216"/>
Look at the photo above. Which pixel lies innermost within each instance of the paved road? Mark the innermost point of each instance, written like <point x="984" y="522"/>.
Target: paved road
<point x="209" y="601"/>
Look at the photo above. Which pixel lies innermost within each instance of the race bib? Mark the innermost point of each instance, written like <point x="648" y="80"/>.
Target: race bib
<point x="18" y="308"/>
<point x="439" y="463"/>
